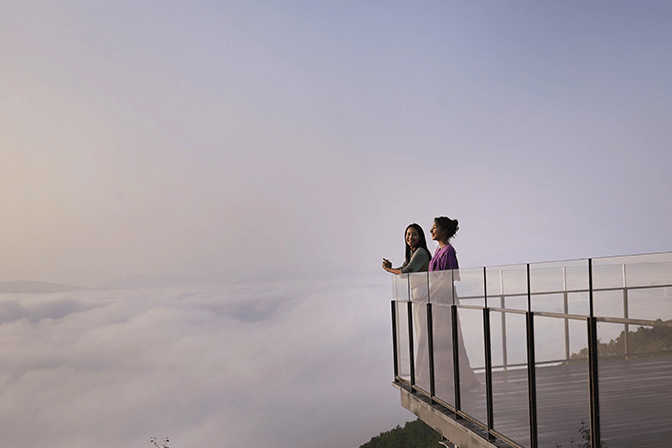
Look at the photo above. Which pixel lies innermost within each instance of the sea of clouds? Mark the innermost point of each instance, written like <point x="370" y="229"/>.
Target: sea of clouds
<point x="298" y="364"/>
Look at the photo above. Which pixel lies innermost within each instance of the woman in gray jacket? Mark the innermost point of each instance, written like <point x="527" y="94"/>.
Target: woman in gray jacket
<point x="417" y="254"/>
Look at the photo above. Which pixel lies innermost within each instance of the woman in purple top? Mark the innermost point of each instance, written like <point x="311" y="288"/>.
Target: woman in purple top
<point x="444" y="259"/>
<point x="445" y="256"/>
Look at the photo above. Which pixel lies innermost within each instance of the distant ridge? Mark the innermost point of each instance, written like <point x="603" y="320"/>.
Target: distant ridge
<point x="157" y="281"/>
<point x="34" y="287"/>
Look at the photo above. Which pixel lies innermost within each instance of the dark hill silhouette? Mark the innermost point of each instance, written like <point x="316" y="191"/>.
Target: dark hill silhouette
<point x="415" y="434"/>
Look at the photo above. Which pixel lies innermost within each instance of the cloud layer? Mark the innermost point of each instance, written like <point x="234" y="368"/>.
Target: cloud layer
<point x="275" y="364"/>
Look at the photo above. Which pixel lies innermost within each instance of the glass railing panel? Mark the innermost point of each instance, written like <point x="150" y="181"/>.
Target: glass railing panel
<point x="441" y="289"/>
<point x="472" y="362"/>
<point x="469" y="283"/>
<point x="639" y="270"/>
<point x="577" y="275"/>
<point x="419" y="286"/>
<point x="403" y="347"/>
<point x="635" y="390"/>
<point x="516" y="303"/>
<point x="421" y="341"/>
<point x="562" y="388"/>
<point x="516" y="347"/>
<point x="443" y="353"/>
<point x="550" y="303"/>
<point x="497" y="339"/>
<point x="578" y="337"/>
<point x="648" y="274"/>
<point x="514" y="279"/>
<point x="558" y="276"/>
<point x="509" y="385"/>
<point x="608" y="303"/>
<point x="547" y="277"/>
<point x="550" y="338"/>
<point x="400" y="290"/>
<point x="495" y="281"/>
<point x="578" y="303"/>
<point x="650" y="303"/>
<point x="496" y="301"/>
<point x="607" y="275"/>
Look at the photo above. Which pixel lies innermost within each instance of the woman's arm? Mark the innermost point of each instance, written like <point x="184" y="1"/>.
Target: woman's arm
<point x="419" y="260"/>
<point x="387" y="265"/>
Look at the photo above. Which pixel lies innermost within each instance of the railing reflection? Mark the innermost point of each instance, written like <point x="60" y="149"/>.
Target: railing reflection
<point x="456" y="334"/>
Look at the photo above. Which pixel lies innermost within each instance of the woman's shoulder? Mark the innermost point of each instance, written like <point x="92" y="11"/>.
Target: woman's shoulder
<point x="445" y="249"/>
<point x="422" y="252"/>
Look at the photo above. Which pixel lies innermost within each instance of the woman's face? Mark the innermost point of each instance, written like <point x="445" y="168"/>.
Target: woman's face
<point x="436" y="232"/>
<point x="412" y="237"/>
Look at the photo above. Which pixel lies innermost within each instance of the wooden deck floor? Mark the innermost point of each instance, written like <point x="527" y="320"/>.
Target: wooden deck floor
<point x="635" y="403"/>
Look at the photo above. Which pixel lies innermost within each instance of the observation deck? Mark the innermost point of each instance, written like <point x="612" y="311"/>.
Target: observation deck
<point x="560" y="355"/>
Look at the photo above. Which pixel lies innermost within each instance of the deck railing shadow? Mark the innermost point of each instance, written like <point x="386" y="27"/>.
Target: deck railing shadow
<point x="540" y="354"/>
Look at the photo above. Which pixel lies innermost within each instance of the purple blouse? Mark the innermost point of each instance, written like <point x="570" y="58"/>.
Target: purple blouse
<point x="444" y="258"/>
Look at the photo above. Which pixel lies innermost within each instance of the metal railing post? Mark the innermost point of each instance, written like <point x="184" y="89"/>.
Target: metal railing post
<point x="488" y="370"/>
<point x="626" y="315"/>
<point x="565" y="310"/>
<point x="502" y="305"/>
<point x="430" y="350"/>
<point x="593" y="376"/>
<point x="395" y="349"/>
<point x="411" y="354"/>
<point x="531" y="366"/>
<point x="487" y="341"/>
<point x="456" y="356"/>
<point x="531" y="380"/>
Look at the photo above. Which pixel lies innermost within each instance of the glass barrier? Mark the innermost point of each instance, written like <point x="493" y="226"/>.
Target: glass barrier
<point x="650" y="304"/>
<point x="558" y="276"/>
<point x="421" y="345"/>
<point x="441" y="286"/>
<point x="562" y="389"/>
<point x="515" y="341"/>
<point x="632" y="271"/>
<point x="419" y="286"/>
<point x="514" y="280"/>
<point x="403" y="347"/>
<point x="509" y="388"/>
<point x="648" y="274"/>
<point x="632" y="304"/>
<point x="635" y="389"/>
<point x="472" y="362"/>
<point x="469" y="284"/>
<point x="400" y="289"/>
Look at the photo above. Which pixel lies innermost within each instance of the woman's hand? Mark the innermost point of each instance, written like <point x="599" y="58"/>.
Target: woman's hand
<point x="387" y="265"/>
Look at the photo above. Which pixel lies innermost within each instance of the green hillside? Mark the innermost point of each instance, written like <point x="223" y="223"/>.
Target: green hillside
<point x="415" y="434"/>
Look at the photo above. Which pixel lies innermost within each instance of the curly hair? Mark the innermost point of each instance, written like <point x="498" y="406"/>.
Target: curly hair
<point x="449" y="227"/>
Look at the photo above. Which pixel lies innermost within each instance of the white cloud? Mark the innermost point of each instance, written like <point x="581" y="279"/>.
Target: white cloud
<point x="238" y="365"/>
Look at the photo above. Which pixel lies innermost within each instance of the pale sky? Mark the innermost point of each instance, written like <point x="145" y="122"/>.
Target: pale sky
<point x="263" y="140"/>
<point x="247" y="140"/>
